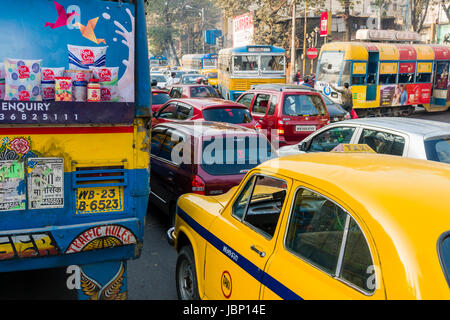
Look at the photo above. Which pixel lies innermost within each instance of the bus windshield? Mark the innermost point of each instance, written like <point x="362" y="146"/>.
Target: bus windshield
<point x="330" y="66"/>
<point x="245" y="63"/>
<point x="209" y="63"/>
<point x="272" y="63"/>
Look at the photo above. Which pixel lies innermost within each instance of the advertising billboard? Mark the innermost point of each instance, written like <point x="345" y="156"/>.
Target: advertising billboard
<point x="243" y="30"/>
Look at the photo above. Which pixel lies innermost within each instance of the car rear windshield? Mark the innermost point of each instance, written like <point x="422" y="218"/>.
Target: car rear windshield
<point x="212" y="75"/>
<point x="228" y="115"/>
<point x="444" y="254"/>
<point x="233" y="154"/>
<point x="160" y="98"/>
<point x="438" y="149"/>
<point x="303" y="105"/>
<point x="204" y="92"/>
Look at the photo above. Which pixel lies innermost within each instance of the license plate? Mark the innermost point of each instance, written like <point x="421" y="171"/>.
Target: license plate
<point x="305" y="128"/>
<point x="99" y="200"/>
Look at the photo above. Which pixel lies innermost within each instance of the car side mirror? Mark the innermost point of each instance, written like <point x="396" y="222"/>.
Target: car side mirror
<point x="303" y="146"/>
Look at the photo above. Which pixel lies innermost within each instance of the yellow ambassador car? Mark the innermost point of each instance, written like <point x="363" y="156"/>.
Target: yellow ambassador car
<point x="319" y="226"/>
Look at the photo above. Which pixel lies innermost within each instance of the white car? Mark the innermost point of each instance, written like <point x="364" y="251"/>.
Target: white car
<point x="160" y="77"/>
<point x="412" y="138"/>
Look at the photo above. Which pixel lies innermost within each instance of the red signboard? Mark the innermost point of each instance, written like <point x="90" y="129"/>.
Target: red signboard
<point x="312" y="53"/>
<point x="407" y="67"/>
<point x="324" y="24"/>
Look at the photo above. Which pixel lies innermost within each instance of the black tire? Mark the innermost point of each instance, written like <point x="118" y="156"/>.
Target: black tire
<point x="186" y="276"/>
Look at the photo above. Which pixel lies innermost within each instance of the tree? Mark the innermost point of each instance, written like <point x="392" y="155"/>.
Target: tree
<point x="419" y="9"/>
<point x="446" y="8"/>
<point x="171" y="20"/>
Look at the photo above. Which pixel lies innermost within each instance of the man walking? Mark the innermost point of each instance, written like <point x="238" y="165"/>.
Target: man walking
<point x="347" y="99"/>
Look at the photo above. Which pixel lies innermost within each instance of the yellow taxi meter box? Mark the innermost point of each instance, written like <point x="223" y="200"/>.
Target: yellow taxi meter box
<point x="353" y="148"/>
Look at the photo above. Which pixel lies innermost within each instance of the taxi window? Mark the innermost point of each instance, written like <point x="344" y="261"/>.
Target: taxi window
<point x="329" y="139"/>
<point x="357" y="265"/>
<point x="383" y="142"/>
<point x="316" y="230"/>
<point x="326" y="236"/>
<point x="444" y="255"/>
<point x="262" y="209"/>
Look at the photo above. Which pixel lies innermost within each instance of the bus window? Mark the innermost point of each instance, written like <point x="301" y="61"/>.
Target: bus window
<point x="245" y="63"/>
<point x="357" y="80"/>
<point x="272" y="63"/>
<point x="406" y="78"/>
<point x="345" y="78"/>
<point x="330" y="66"/>
<point x="441" y="75"/>
<point x="388" y="78"/>
<point x="209" y="63"/>
<point x="423" y="78"/>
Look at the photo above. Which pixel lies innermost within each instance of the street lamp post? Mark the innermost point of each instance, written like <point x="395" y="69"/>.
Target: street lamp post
<point x="304" y="42"/>
<point x="294" y="13"/>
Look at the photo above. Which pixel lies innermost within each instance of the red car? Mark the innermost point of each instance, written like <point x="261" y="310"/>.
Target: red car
<point x="193" y="91"/>
<point x="159" y="97"/>
<point x="205" y="109"/>
<point x="293" y="111"/>
<point x="201" y="157"/>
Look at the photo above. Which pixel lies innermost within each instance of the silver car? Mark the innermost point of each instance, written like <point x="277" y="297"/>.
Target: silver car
<point x="412" y="138"/>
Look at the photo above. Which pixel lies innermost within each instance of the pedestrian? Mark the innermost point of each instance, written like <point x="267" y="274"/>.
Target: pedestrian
<point x="297" y="77"/>
<point x="306" y="83"/>
<point x="347" y="99"/>
<point x="171" y="80"/>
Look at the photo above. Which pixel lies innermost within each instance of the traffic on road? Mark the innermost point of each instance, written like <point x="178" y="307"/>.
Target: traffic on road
<point x="177" y="159"/>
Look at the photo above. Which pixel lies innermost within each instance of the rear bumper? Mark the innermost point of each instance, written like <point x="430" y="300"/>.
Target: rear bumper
<point x="171" y="236"/>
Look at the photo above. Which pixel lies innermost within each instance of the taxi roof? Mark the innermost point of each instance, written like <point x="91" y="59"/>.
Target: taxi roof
<point x="397" y="193"/>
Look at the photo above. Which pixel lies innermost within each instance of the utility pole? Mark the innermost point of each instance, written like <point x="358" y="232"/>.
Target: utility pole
<point x="293" y="49"/>
<point x="203" y="28"/>
<point x="304" y="42"/>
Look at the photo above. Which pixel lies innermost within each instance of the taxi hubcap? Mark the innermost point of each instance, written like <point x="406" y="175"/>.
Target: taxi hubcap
<point x="186" y="279"/>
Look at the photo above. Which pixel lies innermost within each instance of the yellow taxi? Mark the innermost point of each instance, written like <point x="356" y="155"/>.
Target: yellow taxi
<point x="211" y="75"/>
<point x="319" y="226"/>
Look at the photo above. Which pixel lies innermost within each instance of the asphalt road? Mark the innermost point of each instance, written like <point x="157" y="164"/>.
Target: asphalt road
<point x="151" y="277"/>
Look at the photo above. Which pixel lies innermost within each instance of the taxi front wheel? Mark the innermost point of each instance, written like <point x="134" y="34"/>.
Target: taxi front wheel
<point x="186" y="277"/>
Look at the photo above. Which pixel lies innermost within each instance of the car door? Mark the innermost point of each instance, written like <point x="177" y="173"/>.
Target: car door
<point x="171" y="177"/>
<point x="168" y="112"/>
<point x="244" y="238"/>
<point x="158" y="173"/>
<point x="259" y="109"/>
<point x="384" y="141"/>
<point x="327" y="139"/>
<point x="246" y="99"/>
<point x="328" y="249"/>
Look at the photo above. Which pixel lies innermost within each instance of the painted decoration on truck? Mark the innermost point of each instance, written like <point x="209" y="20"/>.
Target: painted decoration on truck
<point x="12" y="185"/>
<point x="46" y="183"/>
<point x="108" y="288"/>
<point x="101" y="237"/>
<point x="17" y="148"/>
<point x="27" y="246"/>
<point x="57" y="24"/>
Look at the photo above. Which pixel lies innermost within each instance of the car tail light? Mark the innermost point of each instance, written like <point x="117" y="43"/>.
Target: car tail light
<point x="280" y="128"/>
<point x="198" y="185"/>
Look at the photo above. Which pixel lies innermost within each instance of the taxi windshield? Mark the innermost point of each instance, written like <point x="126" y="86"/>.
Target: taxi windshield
<point x="330" y="66"/>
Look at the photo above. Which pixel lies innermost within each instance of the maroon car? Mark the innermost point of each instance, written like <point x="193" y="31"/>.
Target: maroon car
<point x="293" y="112"/>
<point x="193" y="91"/>
<point x="201" y="157"/>
<point x="205" y="109"/>
<point x="159" y="97"/>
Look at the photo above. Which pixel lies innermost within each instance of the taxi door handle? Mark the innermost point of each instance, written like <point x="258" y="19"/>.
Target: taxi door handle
<point x="262" y="254"/>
